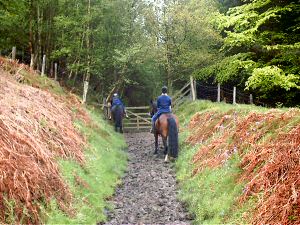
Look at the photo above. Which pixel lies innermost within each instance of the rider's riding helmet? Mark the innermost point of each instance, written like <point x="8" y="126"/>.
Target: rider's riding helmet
<point x="164" y="90"/>
<point x="115" y="94"/>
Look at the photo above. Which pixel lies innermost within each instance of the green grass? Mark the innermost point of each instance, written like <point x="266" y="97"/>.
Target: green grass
<point x="106" y="162"/>
<point x="211" y="193"/>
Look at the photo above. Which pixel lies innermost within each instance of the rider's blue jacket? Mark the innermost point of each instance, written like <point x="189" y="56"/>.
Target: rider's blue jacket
<point x="163" y="104"/>
<point x="117" y="101"/>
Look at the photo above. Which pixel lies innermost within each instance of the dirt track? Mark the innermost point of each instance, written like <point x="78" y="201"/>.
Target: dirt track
<point x="148" y="193"/>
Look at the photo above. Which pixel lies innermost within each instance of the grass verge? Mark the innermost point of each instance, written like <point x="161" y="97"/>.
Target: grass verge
<point x="211" y="194"/>
<point x="94" y="182"/>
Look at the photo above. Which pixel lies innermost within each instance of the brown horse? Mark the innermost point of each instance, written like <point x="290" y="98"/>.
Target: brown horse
<point x="167" y="126"/>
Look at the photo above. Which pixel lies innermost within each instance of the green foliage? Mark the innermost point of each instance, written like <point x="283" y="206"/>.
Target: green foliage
<point x="105" y="164"/>
<point x="234" y="68"/>
<point x="259" y="36"/>
<point x="270" y="78"/>
<point x="136" y="46"/>
<point x="193" y="42"/>
<point x="12" y="21"/>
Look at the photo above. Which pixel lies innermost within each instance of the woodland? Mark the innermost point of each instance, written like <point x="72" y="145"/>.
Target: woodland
<point x="135" y="46"/>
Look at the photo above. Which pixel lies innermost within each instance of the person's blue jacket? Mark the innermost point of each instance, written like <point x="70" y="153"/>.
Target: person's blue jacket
<point x="117" y="101"/>
<point x="164" y="103"/>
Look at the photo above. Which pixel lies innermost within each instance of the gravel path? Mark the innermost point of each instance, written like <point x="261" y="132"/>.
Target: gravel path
<point x="148" y="192"/>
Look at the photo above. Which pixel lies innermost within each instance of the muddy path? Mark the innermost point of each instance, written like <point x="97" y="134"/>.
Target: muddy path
<point x="148" y="192"/>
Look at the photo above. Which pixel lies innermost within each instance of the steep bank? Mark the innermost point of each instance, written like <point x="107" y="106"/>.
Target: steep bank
<point x="57" y="159"/>
<point x="240" y="164"/>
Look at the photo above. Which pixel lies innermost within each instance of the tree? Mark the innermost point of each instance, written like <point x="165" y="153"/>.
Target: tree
<point x="258" y="34"/>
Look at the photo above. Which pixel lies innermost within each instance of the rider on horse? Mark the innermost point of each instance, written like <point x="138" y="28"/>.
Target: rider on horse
<point x="164" y="103"/>
<point x="116" y="101"/>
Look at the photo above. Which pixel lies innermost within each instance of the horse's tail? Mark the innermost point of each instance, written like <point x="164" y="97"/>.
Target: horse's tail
<point x="172" y="137"/>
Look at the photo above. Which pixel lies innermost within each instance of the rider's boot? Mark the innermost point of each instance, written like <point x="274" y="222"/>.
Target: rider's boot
<point x="152" y="128"/>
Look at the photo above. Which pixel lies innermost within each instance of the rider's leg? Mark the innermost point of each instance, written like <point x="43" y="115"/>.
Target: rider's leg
<point x="152" y="127"/>
<point x="154" y="118"/>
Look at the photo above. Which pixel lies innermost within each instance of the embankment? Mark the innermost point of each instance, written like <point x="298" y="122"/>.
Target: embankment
<point x="240" y="164"/>
<point x="59" y="161"/>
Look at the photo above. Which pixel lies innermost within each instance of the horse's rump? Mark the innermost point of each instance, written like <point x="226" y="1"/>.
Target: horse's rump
<point x="117" y="109"/>
<point x="161" y="123"/>
<point x="117" y="113"/>
<point x="167" y="127"/>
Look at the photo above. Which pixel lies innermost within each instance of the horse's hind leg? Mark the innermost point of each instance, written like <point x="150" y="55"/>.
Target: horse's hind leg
<point x="156" y="143"/>
<point x="165" y="145"/>
<point x="166" y="149"/>
<point x="116" y="127"/>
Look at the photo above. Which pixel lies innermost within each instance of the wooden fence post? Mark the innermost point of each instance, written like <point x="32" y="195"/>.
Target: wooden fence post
<point x="85" y="90"/>
<point x="55" y="71"/>
<point x="251" y="99"/>
<point x="219" y="92"/>
<point x="13" y="53"/>
<point x="234" y="95"/>
<point x="31" y="61"/>
<point x="138" y="123"/>
<point x="193" y="88"/>
<point x="43" y="65"/>
<point x="105" y="110"/>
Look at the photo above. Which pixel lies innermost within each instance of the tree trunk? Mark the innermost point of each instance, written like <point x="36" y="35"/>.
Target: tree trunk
<point x="88" y="72"/>
<point x="31" y="35"/>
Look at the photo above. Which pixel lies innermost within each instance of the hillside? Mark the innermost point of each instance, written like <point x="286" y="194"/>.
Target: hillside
<point x="240" y="164"/>
<point x="55" y="154"/>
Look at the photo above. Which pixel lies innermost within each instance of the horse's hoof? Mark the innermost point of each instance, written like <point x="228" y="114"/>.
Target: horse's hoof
<point x="155" y="153"/>
<point x="166" y="158"/>
<point x="172" y="159"/>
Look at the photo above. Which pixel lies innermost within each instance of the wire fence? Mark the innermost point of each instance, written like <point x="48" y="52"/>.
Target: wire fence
<point x="227" y="94"/>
